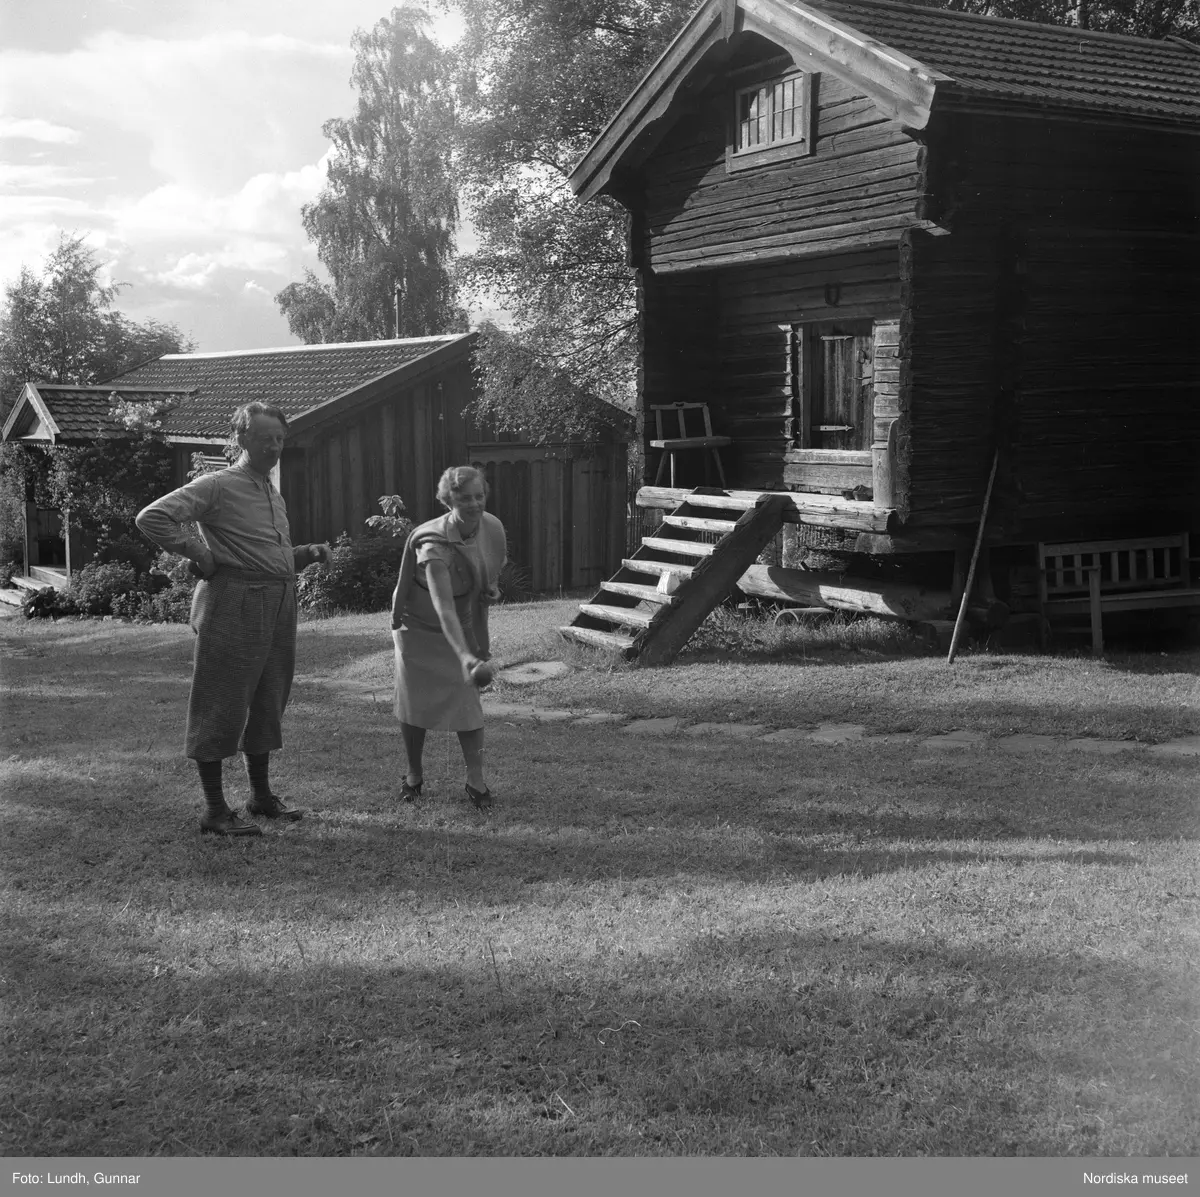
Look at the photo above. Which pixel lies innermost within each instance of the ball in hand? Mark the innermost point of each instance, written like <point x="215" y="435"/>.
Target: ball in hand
<point x="482" y="674"/>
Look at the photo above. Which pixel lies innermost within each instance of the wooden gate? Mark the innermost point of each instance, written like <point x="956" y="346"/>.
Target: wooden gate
<point x="562" y="505"/>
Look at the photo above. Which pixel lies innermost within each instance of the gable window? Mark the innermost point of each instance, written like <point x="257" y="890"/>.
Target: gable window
<point x="770" y="114"/>
<point x="772" y="120"/>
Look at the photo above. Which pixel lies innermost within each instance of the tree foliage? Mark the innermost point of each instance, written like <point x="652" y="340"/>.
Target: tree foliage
<point x="389" y="208"/>
<point x="59" y="325"/>
<point x="538" y="80"/>
<point x="104" y="483"/>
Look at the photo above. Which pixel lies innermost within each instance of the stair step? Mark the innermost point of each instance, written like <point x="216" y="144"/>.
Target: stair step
<point x="627" y="616"/>
<point x="32" y="585"/>
<point x="610" y="640"/>
<point x="737" y="503"/>
<point x="687" y="548"/>
<point x="637" y="590"/>
<point x="12" y="597"/>
<point x="647" y="565"/>
<point x="698" y="523"/>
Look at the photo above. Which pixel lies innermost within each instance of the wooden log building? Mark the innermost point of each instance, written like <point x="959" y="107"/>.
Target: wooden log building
<point x="366" y="419"/>
<point x="888" y="245"/>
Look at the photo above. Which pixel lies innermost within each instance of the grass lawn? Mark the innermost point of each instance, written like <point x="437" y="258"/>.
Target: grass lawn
<point x="682" y="946"/>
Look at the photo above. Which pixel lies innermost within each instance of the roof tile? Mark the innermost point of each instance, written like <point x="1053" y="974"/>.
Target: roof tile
<point x="294" y="379"/>
<point x="85" y="413"/>
<point x="1022" y="61"/>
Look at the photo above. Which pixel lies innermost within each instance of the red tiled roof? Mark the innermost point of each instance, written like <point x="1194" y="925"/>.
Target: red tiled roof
<point x="84" y="413"/>
<point x="1029" y="63"/>
<point x="295" y="379"/>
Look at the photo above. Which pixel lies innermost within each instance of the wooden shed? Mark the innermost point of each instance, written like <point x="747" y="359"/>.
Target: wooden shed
<point x="890" y="246"/>
<point x="368" y="419"/>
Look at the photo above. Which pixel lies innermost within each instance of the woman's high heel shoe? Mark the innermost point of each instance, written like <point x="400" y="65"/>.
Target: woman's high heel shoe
<point x="480" y="799"/>
<point x="409" y="791"/>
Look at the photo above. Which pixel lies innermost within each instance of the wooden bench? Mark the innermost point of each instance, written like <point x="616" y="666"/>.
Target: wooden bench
<point x="1094" y="576"/>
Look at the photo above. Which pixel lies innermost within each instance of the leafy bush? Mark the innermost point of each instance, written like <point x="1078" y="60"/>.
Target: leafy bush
<point x="172" y="605"/>
<point x="393" y="522"/>
<point x="47" y="603"/>
<point x="127" y="550"/>
<point x="361" y="576"/>
<point x="8" y="571"/>
<point x="363" y="572"/>
<point x="91" y="591"/>
<point x="515" y="583"/>
<point x="164" y="594"/>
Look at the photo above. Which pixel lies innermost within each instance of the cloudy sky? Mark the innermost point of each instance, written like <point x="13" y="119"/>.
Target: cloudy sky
<point x="181" y="137"/>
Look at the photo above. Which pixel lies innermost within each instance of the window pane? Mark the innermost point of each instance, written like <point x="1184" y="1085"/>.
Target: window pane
<point x="770" y="114"/>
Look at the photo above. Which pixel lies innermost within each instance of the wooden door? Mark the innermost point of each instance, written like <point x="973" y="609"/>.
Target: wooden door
<point x="842" y="387"/>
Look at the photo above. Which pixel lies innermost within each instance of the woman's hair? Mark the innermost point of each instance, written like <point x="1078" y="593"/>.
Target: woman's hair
<point x="456" y="479"/>
<point x="241" y="419"/>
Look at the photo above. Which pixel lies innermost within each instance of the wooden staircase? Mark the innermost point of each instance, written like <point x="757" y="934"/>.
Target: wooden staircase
<point x="651" y="606"/>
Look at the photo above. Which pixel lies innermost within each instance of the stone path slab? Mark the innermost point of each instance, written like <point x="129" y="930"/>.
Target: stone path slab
<point x="960" y="738"/>
<point x="654" y="727"/>
<point x="1098" y="747"/>
<point x="1184" y="746"/>
<point x="600" y="718"/>
<point x="837" y="733"/>
<point x="825" y="733"/>
<point x="1027" y="743"/>
<point x="526" y="711"/>
<point x="736" y="731"/>
<point x="786" y="735"/>
<point x="532" y="671"/>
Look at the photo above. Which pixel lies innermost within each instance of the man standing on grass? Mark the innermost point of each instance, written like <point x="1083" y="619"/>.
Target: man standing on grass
<point x="243" y="613"/>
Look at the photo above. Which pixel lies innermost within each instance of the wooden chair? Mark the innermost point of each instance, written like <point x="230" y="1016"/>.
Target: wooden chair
<point x="687" y="437"/>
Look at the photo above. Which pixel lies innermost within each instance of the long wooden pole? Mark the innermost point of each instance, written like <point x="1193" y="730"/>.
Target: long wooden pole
<point x="962" y="607"/>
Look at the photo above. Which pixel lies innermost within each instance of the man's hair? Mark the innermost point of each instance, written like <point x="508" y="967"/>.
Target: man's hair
<point x="242" y="418"/>
<point x="456" y="479"/>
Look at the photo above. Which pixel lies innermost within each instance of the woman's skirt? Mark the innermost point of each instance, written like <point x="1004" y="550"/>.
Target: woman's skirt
<point x="430" y="689"/>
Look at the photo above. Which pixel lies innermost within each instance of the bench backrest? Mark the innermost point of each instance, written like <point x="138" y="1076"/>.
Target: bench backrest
<point x="1150" y="563"/>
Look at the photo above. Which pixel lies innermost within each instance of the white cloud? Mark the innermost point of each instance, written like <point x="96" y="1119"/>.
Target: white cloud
<point x="40" y="176"/>
<point x="35" y="129"/>
<point x="206" y="112"/>
<point x="182" y="146"/>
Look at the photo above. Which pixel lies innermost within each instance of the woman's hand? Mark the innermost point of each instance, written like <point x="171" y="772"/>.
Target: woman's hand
<point x="478" y="671"/>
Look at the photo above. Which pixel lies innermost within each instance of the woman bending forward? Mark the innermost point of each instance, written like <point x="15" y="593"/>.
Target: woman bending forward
<point x="448" y="578"/>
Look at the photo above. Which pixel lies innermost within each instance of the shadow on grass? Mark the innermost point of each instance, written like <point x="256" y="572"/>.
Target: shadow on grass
<point x="129" y="819"/>
<point x="765" y="1040"/>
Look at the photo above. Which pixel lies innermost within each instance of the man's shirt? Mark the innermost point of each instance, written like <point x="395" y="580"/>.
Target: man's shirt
<point x="241" y="518"/>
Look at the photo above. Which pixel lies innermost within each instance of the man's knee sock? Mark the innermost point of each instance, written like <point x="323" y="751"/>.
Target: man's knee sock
<point x="214" y="793"/>
<point x="258" y="765"/>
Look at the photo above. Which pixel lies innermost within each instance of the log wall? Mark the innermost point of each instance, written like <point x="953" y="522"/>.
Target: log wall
<point x="1055" y="321"/>
<point x="860" y="184"/>
<point x="757" y="306"/>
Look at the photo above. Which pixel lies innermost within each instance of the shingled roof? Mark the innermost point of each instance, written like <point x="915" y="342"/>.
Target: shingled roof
<point x="298" y="379"/>
<point x="72" y="413"/>
<point x="909" y="58"/>
<point x="1031" y="63"/>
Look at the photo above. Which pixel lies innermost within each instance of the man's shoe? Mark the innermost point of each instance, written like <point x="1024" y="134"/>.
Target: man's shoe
<point x="228" y="823"/>
<point x="273" y="807"/>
